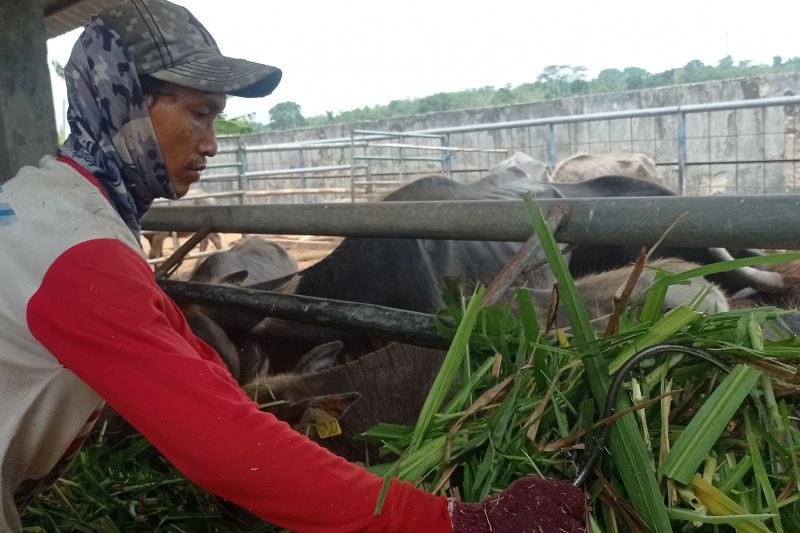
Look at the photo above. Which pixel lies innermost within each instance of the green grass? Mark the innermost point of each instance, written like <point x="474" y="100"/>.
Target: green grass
<point x="702" y="451"/>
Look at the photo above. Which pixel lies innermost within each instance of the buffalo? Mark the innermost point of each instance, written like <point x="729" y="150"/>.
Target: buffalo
<point x="582" y="167"/>
<point x="255" y="260"/>
<point x="408" y="273"/>
<point x="389" y="385"/>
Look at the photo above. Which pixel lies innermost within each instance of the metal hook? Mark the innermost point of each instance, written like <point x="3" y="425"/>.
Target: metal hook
<point x="613" y="394"/>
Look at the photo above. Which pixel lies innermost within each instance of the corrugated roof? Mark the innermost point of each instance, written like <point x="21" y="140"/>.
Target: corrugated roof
<point x="62" y="16"/>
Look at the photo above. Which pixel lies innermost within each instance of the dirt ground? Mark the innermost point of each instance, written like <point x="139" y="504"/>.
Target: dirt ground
<point x="305" y="249"/>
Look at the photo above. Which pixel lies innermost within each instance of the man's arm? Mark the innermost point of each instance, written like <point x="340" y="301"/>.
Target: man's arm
<point x="100" y="313"/>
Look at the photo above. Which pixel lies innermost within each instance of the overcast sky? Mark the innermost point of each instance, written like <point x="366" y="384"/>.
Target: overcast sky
<point x="339" y="55"/>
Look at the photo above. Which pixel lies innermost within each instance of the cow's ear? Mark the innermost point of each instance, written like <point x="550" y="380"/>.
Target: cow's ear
<point x="319" y="358"/>
<point x="310" y="412"/>
<point x="334" y="405"/>
<point x="236" y="278"/>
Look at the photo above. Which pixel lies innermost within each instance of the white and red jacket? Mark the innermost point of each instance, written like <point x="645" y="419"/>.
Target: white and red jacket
<point x="82" y="321"/>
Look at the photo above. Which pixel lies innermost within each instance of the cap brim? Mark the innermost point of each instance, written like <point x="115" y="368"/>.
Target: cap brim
<point x="220" y="74"/>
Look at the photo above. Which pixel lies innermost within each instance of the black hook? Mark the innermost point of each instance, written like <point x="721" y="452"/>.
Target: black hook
<point x="613" y="394"/>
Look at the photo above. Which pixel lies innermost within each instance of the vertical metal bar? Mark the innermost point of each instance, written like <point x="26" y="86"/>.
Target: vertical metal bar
<point x="241" y="158"/>
<point x="353" y="167"/>
<point x="708" y="152"/>
<point x="176" y="243"/>
<point x="447" y="157"/>
<point x="244" y="183"/>
<point x="764" y="152"/>
<point x="550" y="139"/>
<point x="682" y="152"/>
<point x="400" y="155"/>
<point x="301" y="163"/>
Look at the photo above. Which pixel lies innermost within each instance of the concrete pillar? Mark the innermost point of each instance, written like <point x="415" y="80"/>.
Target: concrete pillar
<point x="27" y="119"/>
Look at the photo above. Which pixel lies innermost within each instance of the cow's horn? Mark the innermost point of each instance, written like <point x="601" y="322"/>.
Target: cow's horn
<point x="760" y="280"/>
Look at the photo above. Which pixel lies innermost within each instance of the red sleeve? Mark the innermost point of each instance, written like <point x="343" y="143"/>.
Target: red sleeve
<point x="100" y="313"/>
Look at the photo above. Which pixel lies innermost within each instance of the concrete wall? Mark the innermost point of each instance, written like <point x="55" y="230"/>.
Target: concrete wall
<point x="27" y="125"/>
<point x="745" y="151"/>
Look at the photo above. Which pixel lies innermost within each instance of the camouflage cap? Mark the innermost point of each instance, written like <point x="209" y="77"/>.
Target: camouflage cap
<point x="168" y="43"/>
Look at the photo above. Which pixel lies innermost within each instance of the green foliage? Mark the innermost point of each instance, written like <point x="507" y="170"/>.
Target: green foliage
<point x="560" y="81"/>
<point x="234" y="126"/>
<point x="286" y="116"/>
<point x="129" y="487"/>
<point x="555" y="81"/>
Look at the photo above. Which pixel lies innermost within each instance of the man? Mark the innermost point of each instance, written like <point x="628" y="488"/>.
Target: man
<point x="82" y="321"/>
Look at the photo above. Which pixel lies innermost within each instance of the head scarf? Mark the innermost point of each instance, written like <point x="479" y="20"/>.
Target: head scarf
<point x="111" y="134"/>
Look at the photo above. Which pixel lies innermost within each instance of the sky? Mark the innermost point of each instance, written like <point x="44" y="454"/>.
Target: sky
<point x="341" y="55"/>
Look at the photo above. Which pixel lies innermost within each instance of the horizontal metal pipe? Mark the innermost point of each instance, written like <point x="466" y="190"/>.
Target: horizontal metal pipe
<point x="391" y="158"/>
<point x="392" y="134"/>
<point x="224" y="165"/>
<point x="219" y="177"/>
<point x="314" y="144"/>
<point x="296" y="170"/>
<point x="394" y="324"/>
<point x="438" y="148"/>
<point x="633" y="113"/>
<point x="765" y="221"/>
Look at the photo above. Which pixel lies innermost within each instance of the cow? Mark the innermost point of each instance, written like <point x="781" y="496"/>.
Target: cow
<point x="408" y="273"/>
<point x="597" y="291"/>
<point x="256" y="259"/>
<point x="253" y="259"/>
<point x="784" y="290"/>
<point x="582" y="167"/>
<point x="388" y="385"/>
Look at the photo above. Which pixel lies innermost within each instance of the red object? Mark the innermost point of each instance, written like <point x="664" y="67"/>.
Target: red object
<point x="529" y="505"/>
<point x="101" y="314"/>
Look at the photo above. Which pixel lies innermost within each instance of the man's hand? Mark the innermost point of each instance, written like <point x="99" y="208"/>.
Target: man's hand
<point x="529" y="505"/>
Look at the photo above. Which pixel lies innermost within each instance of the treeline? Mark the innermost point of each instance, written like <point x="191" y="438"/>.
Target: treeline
<point x="555" y="81"/>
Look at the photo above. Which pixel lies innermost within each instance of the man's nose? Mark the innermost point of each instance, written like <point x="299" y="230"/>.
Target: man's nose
<point x="208" y="144"/>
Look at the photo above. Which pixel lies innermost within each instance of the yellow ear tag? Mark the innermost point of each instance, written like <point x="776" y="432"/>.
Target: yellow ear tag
<point x="327" y="426"/>
<point x="562" y="338"/>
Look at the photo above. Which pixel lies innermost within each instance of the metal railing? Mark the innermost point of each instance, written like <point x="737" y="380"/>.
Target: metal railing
<point x="680" y="138"/>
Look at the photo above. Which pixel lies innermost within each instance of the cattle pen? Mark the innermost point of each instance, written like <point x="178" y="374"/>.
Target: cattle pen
<point x="769" y="221"/>
<point x="756" y="153"/>
<point x="734" y="147"/>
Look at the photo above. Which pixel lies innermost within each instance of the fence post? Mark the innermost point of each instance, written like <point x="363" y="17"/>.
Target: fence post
<point x="301" y="163"/>
<point x="241" y="158"/>
<point x="352" y="167"/>
<point x="447" y="157"/>
<point x="551" y="146"/>
<point x="682" y="152"/>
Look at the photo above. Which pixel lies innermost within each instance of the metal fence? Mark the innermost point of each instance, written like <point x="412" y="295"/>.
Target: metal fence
<point x="738" y="147"/>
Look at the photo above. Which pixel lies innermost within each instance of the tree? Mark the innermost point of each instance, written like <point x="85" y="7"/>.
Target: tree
<point x="726" y="62"/>
<point x="238" y="125"/>
<point x="609" y="80"/>
<point x="635" y="78"/>
<point x="436" y="102"/>
<point x="503" y="96"/>
<point x="285" y="116"/>
<point x="558" y="79"/>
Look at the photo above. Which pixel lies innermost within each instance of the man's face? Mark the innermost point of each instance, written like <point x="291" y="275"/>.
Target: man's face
<point x="183" y="120"/>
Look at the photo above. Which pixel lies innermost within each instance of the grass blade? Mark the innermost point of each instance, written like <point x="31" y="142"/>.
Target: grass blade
<point x="632" y="461"/>
<point x="450" y="367"/>
<point x="702" y="433"/>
